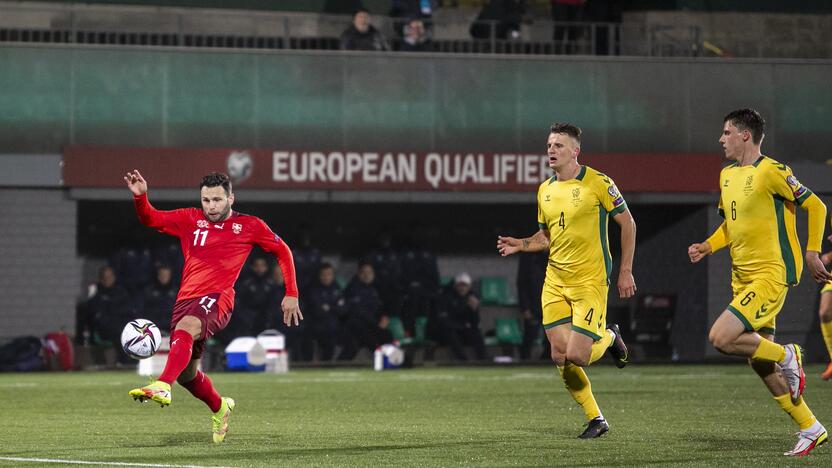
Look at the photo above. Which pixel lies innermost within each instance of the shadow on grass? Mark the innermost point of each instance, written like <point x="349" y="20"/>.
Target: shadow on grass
<point x="341" y="451"/>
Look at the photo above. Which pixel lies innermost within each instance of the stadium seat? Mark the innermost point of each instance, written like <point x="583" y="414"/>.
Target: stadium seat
<point x="508" y="331"/>
<point x="494" y="290"/>
<point x="396" y="328"/>
<point x="420" y="329"/>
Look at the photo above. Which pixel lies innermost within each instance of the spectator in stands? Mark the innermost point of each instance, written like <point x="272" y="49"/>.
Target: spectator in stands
<point x="325" y="308"/>
<point x="361" y="35"/>
<point x="366" y="321"/>
<point x="531" y="271"/>
<point x="564" y="35"/>
<point x="457" y="320"/>
<point x="410" y="10"/>
<point x="500" y="19"/>
<point x="109" y="309"/>
<point x="158" y="299"/>
<point x="416" y="37"/>
<point x="254" y="295"/>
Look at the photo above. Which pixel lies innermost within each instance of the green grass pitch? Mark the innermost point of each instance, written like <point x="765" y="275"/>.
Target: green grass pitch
<point x="498" y="416"/>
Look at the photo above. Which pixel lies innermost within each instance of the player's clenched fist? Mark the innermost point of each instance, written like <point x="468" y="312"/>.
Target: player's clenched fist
<point x="697" y="252"/>
<point x="135" y="182"/>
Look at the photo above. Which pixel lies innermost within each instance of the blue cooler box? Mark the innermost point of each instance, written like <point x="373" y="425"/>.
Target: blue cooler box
<point x="245" y="354"/>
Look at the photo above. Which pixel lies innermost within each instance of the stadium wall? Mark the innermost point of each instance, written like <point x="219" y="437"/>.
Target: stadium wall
<point x="59" y="95"/>
<point x="40" y="273"/>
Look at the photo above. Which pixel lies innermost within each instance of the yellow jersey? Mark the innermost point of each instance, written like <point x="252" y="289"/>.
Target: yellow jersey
<point x="758" y="204"/>
<point x="575" y="213"/>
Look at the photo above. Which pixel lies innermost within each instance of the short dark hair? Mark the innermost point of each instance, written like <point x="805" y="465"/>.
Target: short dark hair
<point x="216" y="179"/>
<point x="324" y="266"/>
<point x="566" y="129"/>
<point x="748" y="119"/>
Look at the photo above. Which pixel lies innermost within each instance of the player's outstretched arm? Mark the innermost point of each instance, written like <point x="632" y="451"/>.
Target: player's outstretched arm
<point x="136" y="183"/>
<point x="538" y="242"/>
<point x="626" y="281"/>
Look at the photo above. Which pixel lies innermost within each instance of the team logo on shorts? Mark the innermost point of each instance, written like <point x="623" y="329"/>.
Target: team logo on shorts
<point x="202" y="224"/>
<point x="237" y="228"/>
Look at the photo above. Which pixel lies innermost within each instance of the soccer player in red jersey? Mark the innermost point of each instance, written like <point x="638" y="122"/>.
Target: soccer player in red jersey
<point x="215" y="243"/>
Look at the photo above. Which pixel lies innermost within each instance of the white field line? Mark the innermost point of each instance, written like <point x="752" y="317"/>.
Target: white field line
<point x="99" y="463"/>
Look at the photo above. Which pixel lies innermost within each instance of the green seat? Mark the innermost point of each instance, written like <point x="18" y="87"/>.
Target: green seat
<point x="342" y="283"/>
<point x="396" y="328"/>
<point x="420" y="330"/>
<point x="494" y="290"/>
<point x="508" y="331"/>
<point x="446" y="280"/>
<point x="98" y="341"/>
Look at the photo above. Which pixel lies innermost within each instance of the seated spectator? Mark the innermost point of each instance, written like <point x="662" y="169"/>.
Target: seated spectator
<point x="410" y="10"/>
<point x="416" y="38"/>
<point x="457" y="320"/>
<point x="361" y="35"/>
<point x="109" y="309"/>
<point x="365" y="321"/>
<point x="500" y="19"/>
<point x="158" y="299"/>
<point x="325" y="307"/>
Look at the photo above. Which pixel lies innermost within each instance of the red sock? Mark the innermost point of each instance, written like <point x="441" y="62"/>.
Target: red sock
<point x="202" y="388"/>
<point x="181" y="347"/>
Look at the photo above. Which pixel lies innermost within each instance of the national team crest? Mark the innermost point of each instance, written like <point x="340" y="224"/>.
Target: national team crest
<point x="202" y="224"/>
<point x="237" y="228"/>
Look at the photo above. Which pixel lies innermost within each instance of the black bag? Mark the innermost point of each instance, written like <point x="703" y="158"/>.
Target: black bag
<point x="21" y="355"/>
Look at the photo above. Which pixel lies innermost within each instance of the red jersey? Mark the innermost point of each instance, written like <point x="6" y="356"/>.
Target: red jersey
<point x="215" y="252"/>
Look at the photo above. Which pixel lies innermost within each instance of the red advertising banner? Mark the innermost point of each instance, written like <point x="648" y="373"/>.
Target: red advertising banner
<point x="104" y="167"/>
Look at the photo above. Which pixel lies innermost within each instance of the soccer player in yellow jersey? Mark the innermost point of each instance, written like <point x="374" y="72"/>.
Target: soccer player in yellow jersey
<point x="757" y="201"/>
<point x="573" y="209"/>
<point x="825" y="313"/>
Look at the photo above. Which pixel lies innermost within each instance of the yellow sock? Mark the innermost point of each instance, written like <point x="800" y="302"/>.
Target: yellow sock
<point x="800" y="412"/>
<point x="769" y="351"/>
<point x="826" y="331"/>
<point x="600" y="346"/>
<point x="579" y="387"/>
